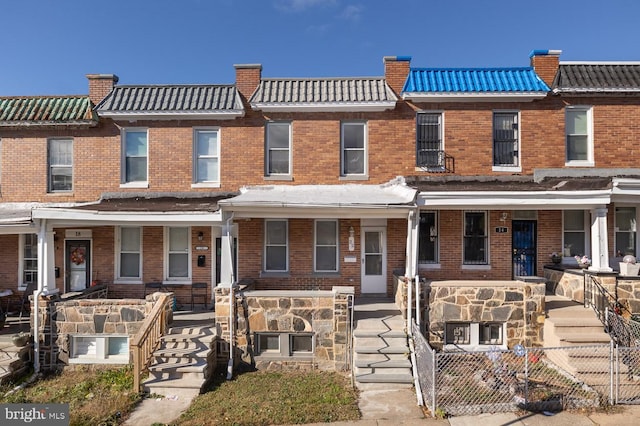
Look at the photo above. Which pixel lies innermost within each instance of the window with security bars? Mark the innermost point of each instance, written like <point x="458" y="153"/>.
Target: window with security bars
<point x="429" y="149"/>
<point x="505" y="139"/>
<point x="60" y="165"/>
<point x="475" y="238"/>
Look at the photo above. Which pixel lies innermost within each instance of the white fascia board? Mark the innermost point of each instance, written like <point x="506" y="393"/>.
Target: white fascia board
<point x="473" y="97"/>
<point x="113" y="218"/>
<point x="172" y="115"/>
<point x="515" y="200"/>
<point x="6" y="229"/>
<point x="326" y="212"/>
<point x="323" y="106"/>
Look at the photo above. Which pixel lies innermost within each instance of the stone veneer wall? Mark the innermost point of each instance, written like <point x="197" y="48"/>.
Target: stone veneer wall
<point x="324" y="313"/>
<point x="59" y="319"/>
<point x="565" y="282"/>
<point x="521" y="305"/>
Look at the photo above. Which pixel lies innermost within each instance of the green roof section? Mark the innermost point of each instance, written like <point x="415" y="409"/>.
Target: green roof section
<point x="46" y="111"/>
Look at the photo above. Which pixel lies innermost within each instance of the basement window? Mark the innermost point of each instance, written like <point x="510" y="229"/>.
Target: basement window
<point x="103" y="349"/>
<point x="475" y="336"/>
<point x="284" y="345"/>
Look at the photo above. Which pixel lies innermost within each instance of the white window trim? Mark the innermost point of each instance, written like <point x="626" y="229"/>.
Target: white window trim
<point x="365" y="149"/>
<point x="315" y="246"/>
<point x="517" y="168"/>
<point x="474" y="338"/>
<point x="117" y="251"/>
<point x="616" y="228"/>
<point x="587" y="237"/>
<point x="22" y="286"/>
<point x="264" y="250"/>
<point x="176" y="280"/>
<point x="123" y="159"/>
<point x="478" y="266"/>
<point x="212" y="183"/>
<point x="268" y="174"/>
<point x="102" y="346"/>
<point x="50" y="167"/>
<point x="442" y="140"/>
<point x="589" y="162"/>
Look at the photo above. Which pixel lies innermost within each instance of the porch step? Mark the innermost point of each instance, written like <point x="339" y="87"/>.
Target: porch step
<point x="361" y="333"/>
<point x="385" y="378"/>
<point x="382" y="349"/>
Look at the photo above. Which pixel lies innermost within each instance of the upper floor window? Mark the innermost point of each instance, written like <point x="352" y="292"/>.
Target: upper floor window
<point x="206" y="160"/>
<point x="129" y="253"/>
<point x="278" y="150"/>
<point x="428" y="239"/>
<point x="354" y="149"/>
<point x="625" y="231"/>
<point x="326" y="246"/>
<point x="177" y="253"/>
<point x="505" y="140"/>
<point x="475" y="238"/>
<point x="60" y="157"/>
<point x="574" y="223"/>
<point x="276" y="251"/>
<point x="579" y="133"/>
<point x="429" y="144"/>
<point x="135" y="151"/>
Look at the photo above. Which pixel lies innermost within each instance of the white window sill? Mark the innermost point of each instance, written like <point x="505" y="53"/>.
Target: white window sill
<point x="354" y="177"/>
<point x="169" y="283"/>
<point x="511" y="169"/>
<point x="59" y="193"/>
<point x="579" y="164"/>
<point x="279" y="177"/>
<point x="135" y="185"/>
<point x="429" y="169"/>
<point x="127" y="281"/>
<point x="429" y="266"/>
<point x="206" y="185"/>
<point x="476" y="267"/>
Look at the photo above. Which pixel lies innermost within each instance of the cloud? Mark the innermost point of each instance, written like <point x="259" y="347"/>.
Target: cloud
<point x="301" y="5"/>
<point x="352" y="12"/>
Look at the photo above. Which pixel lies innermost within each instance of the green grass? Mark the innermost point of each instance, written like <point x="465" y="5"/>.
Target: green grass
<point x="96" y="395"/>
<point x="274" y="398"/>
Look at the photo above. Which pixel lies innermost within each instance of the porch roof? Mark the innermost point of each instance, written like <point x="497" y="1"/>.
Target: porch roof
<point x="393" y="199"/>
<point x="514" y="192"/>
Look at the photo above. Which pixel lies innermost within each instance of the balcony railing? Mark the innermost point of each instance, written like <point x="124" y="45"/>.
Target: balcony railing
<point x="436" y="161"/>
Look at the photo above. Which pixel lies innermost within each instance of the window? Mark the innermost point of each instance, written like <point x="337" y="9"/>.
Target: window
<point x="354" y="155"/>
<point x="428" y="239"/>
<point x="284" y="344"/>
<point x="579" y="136"/>
<point x="29" y="260"/>
<point x="178" y="255"/>
<point x="60" y="153"/>
<point x="135" y="152"/>
<point x="505" y="139"/>
<point x="275" y="246"/>
<point x="475" y="238"/>
<point x="429" y="146"/>
<point x="326" y="247"/>
<point x="474" y="335"/>
<point x="278" y="161"/>
<point x="575" y="235"/>
<point x="625" y="231"/>
<point x="206" y="156"/>
<point x="129" y="253"/>
<point x="99" y="349"/>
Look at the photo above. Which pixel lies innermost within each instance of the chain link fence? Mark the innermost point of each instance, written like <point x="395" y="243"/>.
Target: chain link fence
<point x="534" y="379"/>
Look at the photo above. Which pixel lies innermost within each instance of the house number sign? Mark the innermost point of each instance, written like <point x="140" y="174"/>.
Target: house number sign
<point x="501" y="230"/>
<point x="77" y="233"/>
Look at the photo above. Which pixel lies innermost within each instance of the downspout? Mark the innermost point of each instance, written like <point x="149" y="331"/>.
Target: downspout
<point x="232" y="301"/>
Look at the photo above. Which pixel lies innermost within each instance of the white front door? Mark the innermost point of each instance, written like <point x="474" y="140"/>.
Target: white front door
<point x="374" y="260"/>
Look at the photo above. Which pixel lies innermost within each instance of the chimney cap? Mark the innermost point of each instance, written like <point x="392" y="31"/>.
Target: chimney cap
<point x="542" y="52"/>
<point x="396" y="59"/>
<point x="247" y="66"/>
<point x="103" y="77"/>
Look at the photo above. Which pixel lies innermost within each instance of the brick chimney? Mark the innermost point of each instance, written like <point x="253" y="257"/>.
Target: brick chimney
<point x="248" y="78"/>
<point x="396" y="71"/>
<point x="100" y="85"/>
<point x="545" y="63"/>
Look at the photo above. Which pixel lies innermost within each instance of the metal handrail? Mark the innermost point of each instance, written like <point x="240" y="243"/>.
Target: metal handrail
<point x="599" y="298"/>
<point x="147" y="340"/>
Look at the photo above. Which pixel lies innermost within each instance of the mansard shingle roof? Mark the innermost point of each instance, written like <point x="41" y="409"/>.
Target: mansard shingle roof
<point x="46" y="111"/>
<point x="357" y="93"/>
<point x="169" y="101"/>
<point x="603" y="77"/>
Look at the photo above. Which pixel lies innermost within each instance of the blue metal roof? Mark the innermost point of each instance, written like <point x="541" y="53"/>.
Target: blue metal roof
<point x="474" y="80"/>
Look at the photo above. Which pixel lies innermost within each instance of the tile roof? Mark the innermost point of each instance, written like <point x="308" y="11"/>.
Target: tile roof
<point x="474" y="80"/>
<point x="597" y="78"/>
<point x="46" y="110"/>
<point x="345" y="93"/>
<point x="172" y="100"/>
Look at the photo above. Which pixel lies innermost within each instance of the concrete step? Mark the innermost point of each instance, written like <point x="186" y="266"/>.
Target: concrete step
<point x="384" y="378"/>
<point x="185" y="387"/>
<point x="359" y="333"/>
<point x="583" y="321"/>
<point x="381" y="360"/>
<point x="381" y="349"/>
<point x="359" y="371"/>
<point x="181" y="369"/>
<point x="185" y="337"/>
<point x="577" y="338"/>
<point x="376" y="341"/>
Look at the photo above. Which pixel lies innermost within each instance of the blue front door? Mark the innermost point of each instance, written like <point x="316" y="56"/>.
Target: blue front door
<point x="524" y="248"/>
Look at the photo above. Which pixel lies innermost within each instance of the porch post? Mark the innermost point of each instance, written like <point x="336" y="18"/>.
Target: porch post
<point x="46" y="259"/>
<point x="599" y="241"/>
<point x="226" y="261"/>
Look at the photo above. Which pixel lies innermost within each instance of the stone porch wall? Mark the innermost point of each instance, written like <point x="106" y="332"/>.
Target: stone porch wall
<point x="521" y="305"/>
<point x="323" y="313"/>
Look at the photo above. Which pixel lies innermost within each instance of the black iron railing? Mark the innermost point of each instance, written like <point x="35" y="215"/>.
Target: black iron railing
<point x="435" y="161"/>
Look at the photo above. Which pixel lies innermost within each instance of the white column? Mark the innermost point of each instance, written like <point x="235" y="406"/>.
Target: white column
<point x="599" y="241"/>
<point x="46" y="259"/>
<point x="226" y="261"/>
